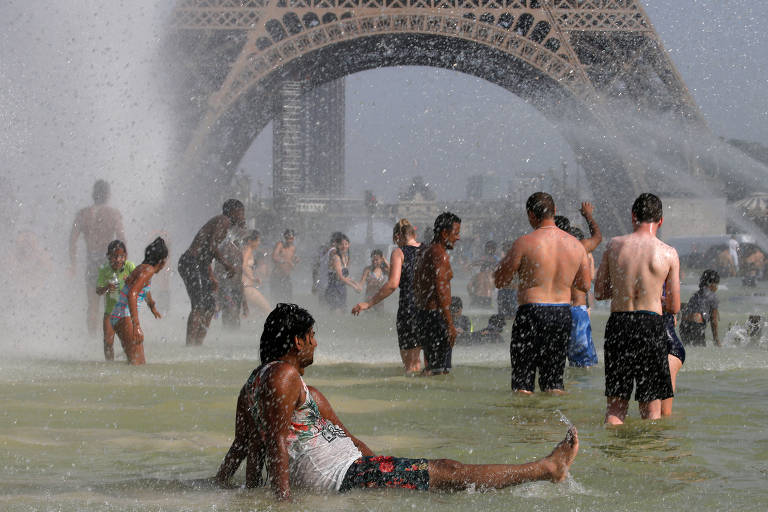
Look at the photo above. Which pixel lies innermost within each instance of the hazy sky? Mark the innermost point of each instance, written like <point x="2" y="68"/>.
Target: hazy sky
<point x="395" y="116"/>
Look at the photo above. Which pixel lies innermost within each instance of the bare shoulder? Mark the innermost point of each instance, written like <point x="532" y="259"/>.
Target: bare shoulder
<point x="281" y="374"/>
<point x="668" y="250"/>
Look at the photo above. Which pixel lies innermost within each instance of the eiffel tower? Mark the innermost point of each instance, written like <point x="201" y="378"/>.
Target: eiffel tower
<point x="235" y="63"/>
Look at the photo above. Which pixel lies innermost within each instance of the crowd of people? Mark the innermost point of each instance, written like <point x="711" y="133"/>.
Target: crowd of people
<point x="544" y="278"/>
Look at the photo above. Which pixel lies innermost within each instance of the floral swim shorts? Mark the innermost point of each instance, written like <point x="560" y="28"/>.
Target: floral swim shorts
<point x="382" y="471"/>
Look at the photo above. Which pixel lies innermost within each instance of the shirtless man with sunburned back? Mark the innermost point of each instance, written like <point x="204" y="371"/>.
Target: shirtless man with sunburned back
<point x="634" y="270"/>
<point x="291" y="428"/>
<point x="548" y="262"/>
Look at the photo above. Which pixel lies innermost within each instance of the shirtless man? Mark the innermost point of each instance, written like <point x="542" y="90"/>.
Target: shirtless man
<point x="432" y="291"/>
<point x="196" y="270"/>
<point x="291" y="428"/>
<point x="283" y="259"/>
<point x="634" y="270"/>
<point x="99" y="224"/>
<point x="548" y="262"/>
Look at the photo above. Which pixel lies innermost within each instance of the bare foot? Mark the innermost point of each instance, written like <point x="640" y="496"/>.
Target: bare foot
<point x="562" y="456"/>
<point x="522" y="392"/>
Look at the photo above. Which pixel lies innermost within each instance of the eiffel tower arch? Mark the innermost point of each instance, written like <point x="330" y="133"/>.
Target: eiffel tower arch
<point x="574" y="60"/>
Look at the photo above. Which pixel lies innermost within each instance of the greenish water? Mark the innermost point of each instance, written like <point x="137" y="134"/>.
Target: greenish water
<point x="77" y="433"/>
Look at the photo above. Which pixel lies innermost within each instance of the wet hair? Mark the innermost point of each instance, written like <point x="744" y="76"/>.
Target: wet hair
<point x="288" y="233"/>
<point x="284" y="323"/>
<point x="402" y="230"/>
<point x="541" y="205"/>
<point x="251" y="236"/>
<point x="456" y="304"/>
<point x="491" y="246"/>
<point x="578" y="233"/>
<point x="338" y="237"/>
<point x="562" y="222"/>
<point x="114" y="245"/>
<point x="377" y="252"/>
<point x="231" y="206"/>
<point x="100" y="192"/>
<point x="647" y="208"/>
<point x="708" y="277"/>
<point x="155" y="252"/>
<point x="445" y="222"/>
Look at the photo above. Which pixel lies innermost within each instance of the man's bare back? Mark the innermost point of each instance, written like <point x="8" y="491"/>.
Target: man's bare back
<point x="634" y="270"/>
<point x="208" y="238"/>
<point x="548" y="262"/>
<point x="99" y="224"/>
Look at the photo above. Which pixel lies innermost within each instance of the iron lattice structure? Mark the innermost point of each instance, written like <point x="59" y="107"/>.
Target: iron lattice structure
<point x="575" y="60"/>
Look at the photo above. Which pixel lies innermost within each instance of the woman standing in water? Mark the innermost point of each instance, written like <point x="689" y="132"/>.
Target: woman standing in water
<point x="110" y="281"/>
<point x="251" y="281"/>
<point x="338" y="274"/>
<point x="701" y="308"/>
<point x="125" y="314"/>
<point x="401" y="270"/>
<point x="375" y="275"/>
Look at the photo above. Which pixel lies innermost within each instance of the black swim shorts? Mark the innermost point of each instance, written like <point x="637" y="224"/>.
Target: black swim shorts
<point x="433" y="338"/>
<point x="198" y="282"/>
<point x="540" y="337"/>
<point x="383" y="471"/>
<point x="407" y="337"/>
<point x="636" y="355"/>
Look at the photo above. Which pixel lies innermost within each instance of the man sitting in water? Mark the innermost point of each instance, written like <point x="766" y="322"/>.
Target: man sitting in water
<point x="548" y="262"/>
<point x="634" y="270"/>
<point x="290" y="428"/>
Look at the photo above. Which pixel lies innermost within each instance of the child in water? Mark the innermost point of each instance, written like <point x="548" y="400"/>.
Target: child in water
<point x="110" y="281"/>
<point x="125" y="314"/>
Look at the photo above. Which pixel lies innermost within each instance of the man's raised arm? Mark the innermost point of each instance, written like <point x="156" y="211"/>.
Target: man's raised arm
<point x="595" y="236"/>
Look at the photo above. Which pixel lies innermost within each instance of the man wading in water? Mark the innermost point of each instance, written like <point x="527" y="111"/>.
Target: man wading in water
<point x="549" y="262"/>
<point x="195" y="268"/>
<point x="634" y="270"/>
<point x="291" y="428"/>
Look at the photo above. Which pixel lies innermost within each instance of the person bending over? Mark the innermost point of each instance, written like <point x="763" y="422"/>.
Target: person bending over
<point x="291" y="428"/>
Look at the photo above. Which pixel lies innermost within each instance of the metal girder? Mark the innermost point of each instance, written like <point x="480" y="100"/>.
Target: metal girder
<point x="578" y="45"/>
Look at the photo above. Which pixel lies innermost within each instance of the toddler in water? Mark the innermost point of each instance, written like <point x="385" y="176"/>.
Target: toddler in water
<point x="110" y="281"/>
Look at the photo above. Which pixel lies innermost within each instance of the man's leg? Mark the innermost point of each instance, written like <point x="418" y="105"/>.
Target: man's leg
<point x="650" y="410"/>
<point x="449" y="474"/>
<point x="196" y="328"/>
<point x="616" y="411"/>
